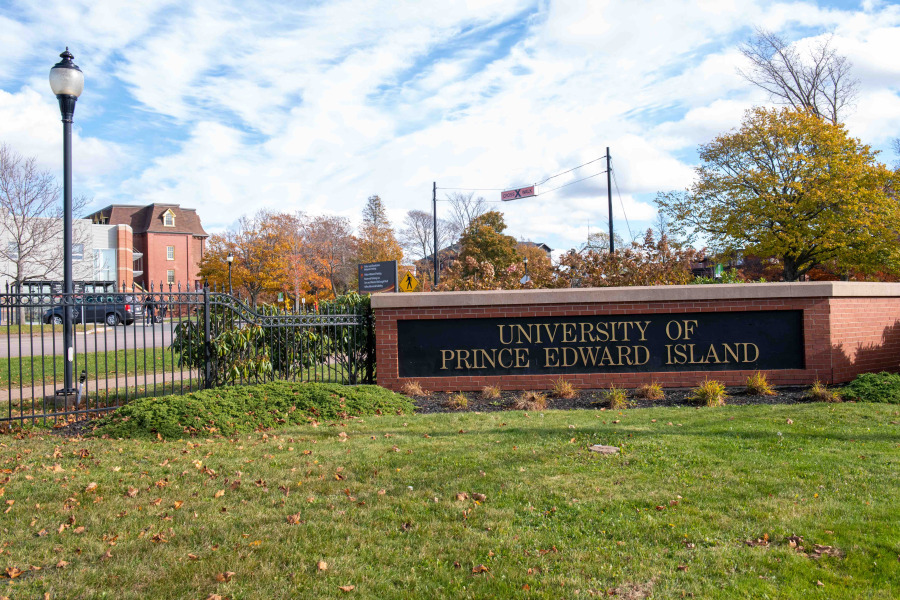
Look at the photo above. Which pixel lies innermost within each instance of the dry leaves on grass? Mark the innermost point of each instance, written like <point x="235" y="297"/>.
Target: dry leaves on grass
<point x="219" y="494"/>
<point x="294" y="519"/>
<point x="225" y="577"/>
<point x="346" y="588"/>
<point x="322" y="565"/>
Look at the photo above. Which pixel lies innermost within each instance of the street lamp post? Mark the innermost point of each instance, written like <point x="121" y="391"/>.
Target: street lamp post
<point x="67" y="82"/>
<point x="525" y="278"/>
<point x="230" y="259"/>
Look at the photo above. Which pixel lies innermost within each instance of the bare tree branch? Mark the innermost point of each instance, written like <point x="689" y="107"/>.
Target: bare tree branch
<point x="464" y="208"/>
<point x="819" y="82"/>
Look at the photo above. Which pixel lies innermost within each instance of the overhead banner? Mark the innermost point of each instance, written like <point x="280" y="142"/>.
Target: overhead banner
<point x="763" y="340"/>
<point x="524" y="192"/>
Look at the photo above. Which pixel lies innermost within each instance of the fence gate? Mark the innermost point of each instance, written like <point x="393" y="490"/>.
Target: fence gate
<point x="131" y="343"/>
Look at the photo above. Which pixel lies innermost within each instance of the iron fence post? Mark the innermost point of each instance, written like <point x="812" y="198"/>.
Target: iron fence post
<point x="207" y="338"/>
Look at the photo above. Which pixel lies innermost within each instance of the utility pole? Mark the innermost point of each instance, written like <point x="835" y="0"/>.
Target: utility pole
<point x="434" y="233"/>
<point x="612" y="243"/>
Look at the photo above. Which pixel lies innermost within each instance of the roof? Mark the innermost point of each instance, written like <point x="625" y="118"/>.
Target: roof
<point x="149" y="218"/>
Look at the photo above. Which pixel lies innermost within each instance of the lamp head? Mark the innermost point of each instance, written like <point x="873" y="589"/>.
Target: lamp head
<point x="66" y="79"/>
<point x="230" y="257"/>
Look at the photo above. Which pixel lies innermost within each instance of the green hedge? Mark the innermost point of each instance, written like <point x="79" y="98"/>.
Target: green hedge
<point x="237" y="409"/>
<point x="874" y="387"/>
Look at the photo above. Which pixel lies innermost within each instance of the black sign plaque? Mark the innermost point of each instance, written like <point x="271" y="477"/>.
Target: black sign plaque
<point x="722" y="341"/>
<point x="378" y="277"/>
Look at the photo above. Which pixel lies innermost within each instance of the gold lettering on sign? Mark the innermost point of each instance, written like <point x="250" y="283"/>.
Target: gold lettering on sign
<point x="549" y="334"/>
<point x="502" y="341"/>
<point x="589" y="354"/>
<point x="445" y="356"/>
<point x="550" y="357"/>
<point x="500" y="358"/>
<point x="567" y="333"/>
<point x="747" y="358"/>
<point x="524" y="333"/>
<point x="643" y="329"/>
<point x="522" y="355"/>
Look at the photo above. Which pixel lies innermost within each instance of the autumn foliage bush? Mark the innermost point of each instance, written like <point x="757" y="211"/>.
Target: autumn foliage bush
<point x="651" y="391"/>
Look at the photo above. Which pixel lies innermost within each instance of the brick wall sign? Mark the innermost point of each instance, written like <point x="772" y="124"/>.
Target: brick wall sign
<point x="765" y="340"/>
<point x="677" y="336"/>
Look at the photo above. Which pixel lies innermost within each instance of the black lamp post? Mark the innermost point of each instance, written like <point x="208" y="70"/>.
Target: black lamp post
<point x="67" y="82"/>
<point x="525" y="278"/>
<point x="230" y="259"/>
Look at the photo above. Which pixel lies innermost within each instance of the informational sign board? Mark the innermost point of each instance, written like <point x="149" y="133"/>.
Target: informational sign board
<point x="718" y="341"/>
<point x="524" y="192"/>
<point x="378" y="277"/>
<point x="409" y="283"/>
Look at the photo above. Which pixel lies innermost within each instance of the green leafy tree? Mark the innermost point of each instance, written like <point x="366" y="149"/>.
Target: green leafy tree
<point x="795" y="187"/>
<point x="485" y="241"/>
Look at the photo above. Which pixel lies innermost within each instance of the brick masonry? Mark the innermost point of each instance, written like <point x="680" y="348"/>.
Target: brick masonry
<point x="848" y="328"/>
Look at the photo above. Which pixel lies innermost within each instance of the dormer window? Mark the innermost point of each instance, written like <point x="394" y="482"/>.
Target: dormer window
<point x="169" y="219"/>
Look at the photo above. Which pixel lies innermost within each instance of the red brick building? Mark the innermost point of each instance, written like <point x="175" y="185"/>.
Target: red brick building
<point x="169" y="241"/>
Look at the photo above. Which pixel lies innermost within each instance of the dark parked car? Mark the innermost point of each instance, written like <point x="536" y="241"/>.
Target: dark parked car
<point x="111" y="309"/>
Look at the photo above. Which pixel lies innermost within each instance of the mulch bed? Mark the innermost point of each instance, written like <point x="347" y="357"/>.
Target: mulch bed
<point x="437" y="402"/>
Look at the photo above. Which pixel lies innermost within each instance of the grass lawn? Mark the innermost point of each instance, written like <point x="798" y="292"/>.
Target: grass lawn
<point x="28" y="370"/>
<point x="43" y="328"/>
<point x="376" y="499"/>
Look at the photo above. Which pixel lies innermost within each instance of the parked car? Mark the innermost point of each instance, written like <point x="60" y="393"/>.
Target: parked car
<point x="111" y="309"/>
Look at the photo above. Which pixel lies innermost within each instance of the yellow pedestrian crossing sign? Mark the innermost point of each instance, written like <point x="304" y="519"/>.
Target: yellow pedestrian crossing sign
<point x="409" y="283"/>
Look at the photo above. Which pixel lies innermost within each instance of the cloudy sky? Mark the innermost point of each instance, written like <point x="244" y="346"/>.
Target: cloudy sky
<point x="230" y="106"/>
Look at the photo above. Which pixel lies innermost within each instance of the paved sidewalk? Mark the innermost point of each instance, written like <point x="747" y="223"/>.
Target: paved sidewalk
<point x="167" y="382"/>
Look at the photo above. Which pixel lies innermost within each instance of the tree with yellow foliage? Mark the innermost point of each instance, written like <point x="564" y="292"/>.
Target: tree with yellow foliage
<point x="376" y="236"/>
<point x="792" y="186"/>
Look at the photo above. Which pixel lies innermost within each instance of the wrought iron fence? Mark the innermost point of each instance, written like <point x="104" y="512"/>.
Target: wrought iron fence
<point x="129" y="342"/>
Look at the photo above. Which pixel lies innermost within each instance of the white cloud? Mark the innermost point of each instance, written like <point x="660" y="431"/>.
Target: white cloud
<point x="316" y="106"/>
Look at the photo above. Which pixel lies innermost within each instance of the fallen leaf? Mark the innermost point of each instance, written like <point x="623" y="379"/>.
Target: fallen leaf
<point x="382" y="492"/>
<point x="156" y="502"/>
<point x="322" y="565"/>
<point x="13" y="572"/>
<point x="790" y="421"/>
<point x="79" y="529"/>
<point x="61" y="564"/>
<point x="682" y="567"/>
<point x="193" y="556"/>
<point x="294" y="519"/>
<point x="346" y="588"/>
<point x="219" y="494"/>
<point x="132" y="492"/>
<point x="820" y="584"/>
<point x="226" y="576"/>
<point x="91" y="487"/>
<point x="462" y="496"/>
<point x="178" y="504"/>
<point x="480" y="569"/>
<point x="106" y="556"/>
<point x="214" y="597"/>
<point x="479" y="497"/>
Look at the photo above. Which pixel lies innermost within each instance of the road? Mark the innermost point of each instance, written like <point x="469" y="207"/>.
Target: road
<point x="101" y="339"/>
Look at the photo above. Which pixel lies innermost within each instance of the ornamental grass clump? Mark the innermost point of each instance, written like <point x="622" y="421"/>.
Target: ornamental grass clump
<point x="758" y="385"/>
<point x="490" y="392"/>
<point x="530" y="401"/>
<point x="458" y="401"/>
<point x="563" y="389"/>
<point x="709" y="393"/>
<point x="617" y="398"/>
<point x="651" y="391"/>
<point x="413" y="389"/>
<point x="819" y="392"/>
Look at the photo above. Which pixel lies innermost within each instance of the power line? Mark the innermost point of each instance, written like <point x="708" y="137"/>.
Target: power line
<point x="468" y="189"/>
<point x="622" y="204"/>
<point x="570" y="170"/>
<point x="571" y="183"/>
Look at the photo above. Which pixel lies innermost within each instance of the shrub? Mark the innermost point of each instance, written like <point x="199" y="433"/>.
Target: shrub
<point x="413" y="389"/>
<point x="240" y="409"/>
<point x="651" y="391"/>
<point x="490" y="392"/>
<point x="458" y="401"/>
<point x="530" y="401"/>
<point x="563" y="389"/>
<point x="874" y="387"/>
<point x="617" y="398"/>
<point x="709" y="393"/>
<point x="758" y="385"/>
<point x="819" y="392"/>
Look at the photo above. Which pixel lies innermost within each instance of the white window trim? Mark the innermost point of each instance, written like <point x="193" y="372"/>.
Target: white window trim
<point x="170" y="255"/>
<point x="172" y="278"/>
<point x="167" y="216"/>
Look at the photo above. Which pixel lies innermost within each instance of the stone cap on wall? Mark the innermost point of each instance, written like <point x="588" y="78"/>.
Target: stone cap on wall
<point x="659" y="293"/>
